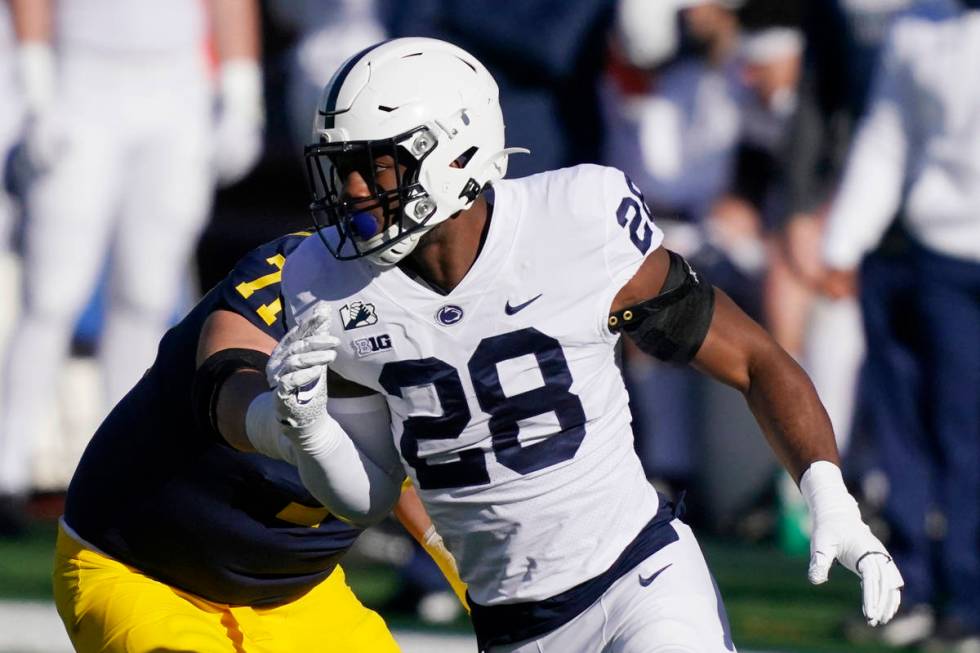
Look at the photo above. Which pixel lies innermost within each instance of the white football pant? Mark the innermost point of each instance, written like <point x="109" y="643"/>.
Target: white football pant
<point x="678" y="611"/>
<point x="133" y="182"/>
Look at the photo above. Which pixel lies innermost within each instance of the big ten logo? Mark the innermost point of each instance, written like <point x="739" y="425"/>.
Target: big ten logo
<point x="371" y="345"/>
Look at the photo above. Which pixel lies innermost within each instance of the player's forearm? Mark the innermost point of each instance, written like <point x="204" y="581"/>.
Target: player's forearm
<point x="787" y="408"/>
<point x="236" y="29"/>
<point x="739" y="352"/>
<point x="236" y="394"/>
<point x="411" y="514"/>
<point x="32" y="20"/>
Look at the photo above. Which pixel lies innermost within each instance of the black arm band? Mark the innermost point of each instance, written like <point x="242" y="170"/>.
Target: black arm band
<point x="672" y="325"/>
<point x="209" y="378"/>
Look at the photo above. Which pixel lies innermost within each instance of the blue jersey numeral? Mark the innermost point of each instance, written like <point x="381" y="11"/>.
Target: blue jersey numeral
<point x="634" y="210"/>
<point x="505" y="412"/>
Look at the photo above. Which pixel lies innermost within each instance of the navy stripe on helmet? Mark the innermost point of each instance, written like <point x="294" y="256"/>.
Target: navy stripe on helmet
<point x="329" y="108"/>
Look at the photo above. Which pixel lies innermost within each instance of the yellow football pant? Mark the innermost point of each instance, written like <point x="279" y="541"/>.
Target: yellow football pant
<point x="109" y="607"/>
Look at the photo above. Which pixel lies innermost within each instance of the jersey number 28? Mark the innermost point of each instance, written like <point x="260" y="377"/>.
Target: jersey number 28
<point x="505" y="412"/>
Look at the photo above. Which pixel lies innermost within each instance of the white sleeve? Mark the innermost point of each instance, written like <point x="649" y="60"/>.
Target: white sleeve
<point x="872" y="186"/>
<point x="358" y="476"/>
<point x="367" y="422"/>
<point x="660" y="133"/>
<point x="360" y="480"/>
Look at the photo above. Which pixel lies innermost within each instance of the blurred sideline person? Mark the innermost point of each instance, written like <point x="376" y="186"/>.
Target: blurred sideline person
<point x="11" y="124"/>
<point x="740" y="135"/>
<point x="918" y="148"/>
<point x="11" y="120"/>
<point x="122" y="134"/>
<point x="177" y="536"/>
<point x="485" y="314"/>
<point x="547" y="77"/>
<point x="824" y="333"/>
<point x="675" y="134"/>
<point x="688" y="125"/>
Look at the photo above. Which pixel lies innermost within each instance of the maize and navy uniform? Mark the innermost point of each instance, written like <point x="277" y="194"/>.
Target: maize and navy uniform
<point x="173" y="540"/>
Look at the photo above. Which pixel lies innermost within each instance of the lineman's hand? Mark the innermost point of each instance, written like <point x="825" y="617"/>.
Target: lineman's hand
<point x="297" y="370"/>
<point x="839" y="534"/>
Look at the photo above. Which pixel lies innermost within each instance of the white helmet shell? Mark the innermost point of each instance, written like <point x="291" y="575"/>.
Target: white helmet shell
<point x="402" y="85"/>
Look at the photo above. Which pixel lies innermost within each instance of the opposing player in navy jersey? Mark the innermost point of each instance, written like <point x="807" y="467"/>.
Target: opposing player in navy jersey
<point x="178" y="536"/>
<point x="485" y="312"/>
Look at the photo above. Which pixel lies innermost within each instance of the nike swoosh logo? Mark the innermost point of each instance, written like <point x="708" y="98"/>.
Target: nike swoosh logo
<point x="652" y="577"/>
<point x="306" y="393"/>
<point x="510" y="310"/>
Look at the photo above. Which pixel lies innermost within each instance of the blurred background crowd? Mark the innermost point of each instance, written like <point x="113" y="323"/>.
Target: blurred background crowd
<point x="819" y="161"/>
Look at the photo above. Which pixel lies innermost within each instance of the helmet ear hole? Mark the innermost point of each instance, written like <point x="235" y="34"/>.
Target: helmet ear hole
<point x="463" y="159"/>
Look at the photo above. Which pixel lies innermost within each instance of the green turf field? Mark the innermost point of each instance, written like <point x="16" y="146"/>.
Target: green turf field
<point x="769" y="601"/>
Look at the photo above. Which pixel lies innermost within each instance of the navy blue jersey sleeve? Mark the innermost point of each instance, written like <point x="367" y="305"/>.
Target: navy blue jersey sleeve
<point x="252" y="289"/>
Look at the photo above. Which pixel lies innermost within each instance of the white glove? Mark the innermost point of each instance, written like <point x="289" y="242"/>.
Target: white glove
<point x="839" y="534"/>
<point x="241" y="120"/>
<point x="295" y="413"/>
<point x="43" y="134"/>
<point x="297" y="369"/>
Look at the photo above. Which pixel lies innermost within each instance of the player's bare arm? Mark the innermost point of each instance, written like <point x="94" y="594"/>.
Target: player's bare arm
<point x="412" y="515"/>
<point x="241" y="118"/>
<point x="32" y="19"/>
<point x="236" y="28"/>
<point x="739" y="352"/>
<point x="224" y="331"/>
<point x="672" y="314"/>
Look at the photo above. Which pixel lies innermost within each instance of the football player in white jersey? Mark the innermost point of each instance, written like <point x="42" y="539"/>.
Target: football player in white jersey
<point x="121" y="129"/>
<point x="11" y="117"/>
<point x="486" y="312"/>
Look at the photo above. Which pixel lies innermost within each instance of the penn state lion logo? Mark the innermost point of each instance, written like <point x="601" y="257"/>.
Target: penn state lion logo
<point x="357" y="314"/>
<point x="449" y="314"/>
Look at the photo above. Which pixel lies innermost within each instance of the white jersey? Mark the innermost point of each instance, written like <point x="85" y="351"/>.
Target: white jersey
<point x="131" y="26"/>
<point x="7" y="38"/>
<point x="918" y="146"/>
<point x="507" y="405"/>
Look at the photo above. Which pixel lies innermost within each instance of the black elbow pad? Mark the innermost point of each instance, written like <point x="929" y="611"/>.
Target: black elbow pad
<point x="672" y="325"/>
<point x="209" y="378"/>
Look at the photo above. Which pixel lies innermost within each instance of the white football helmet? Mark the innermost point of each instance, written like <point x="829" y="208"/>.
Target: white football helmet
<point x="435" y="109"/>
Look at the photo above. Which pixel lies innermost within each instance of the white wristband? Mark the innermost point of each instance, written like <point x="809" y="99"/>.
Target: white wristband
<point x="264" y="431"/>
<point x="823" y="489"/>
<point x="36" y="68"/>
<point x="241" y="89"/>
